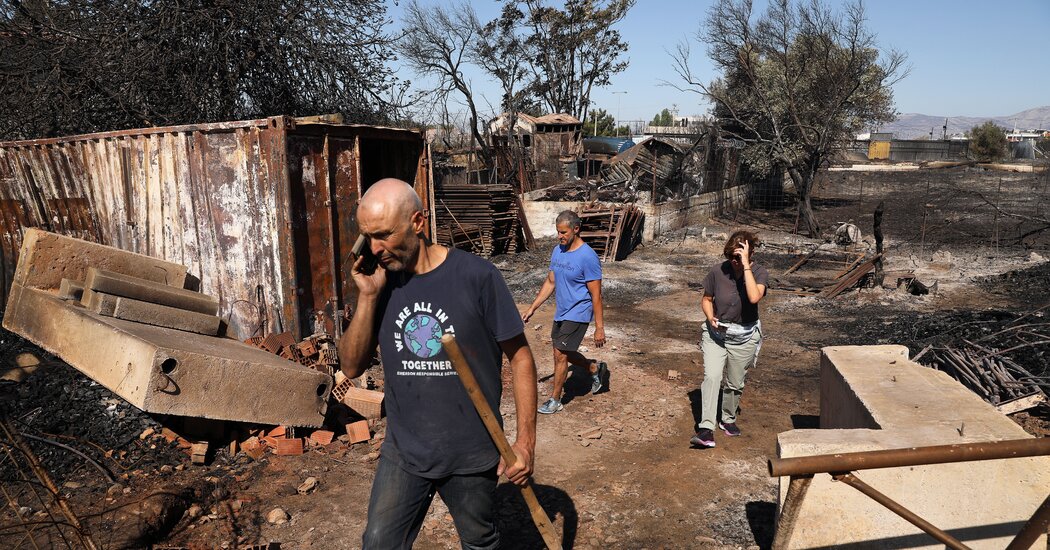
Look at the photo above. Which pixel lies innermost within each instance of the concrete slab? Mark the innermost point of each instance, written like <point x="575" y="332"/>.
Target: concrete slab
<point x="120" y="284"/>
<point x="874" y="398"/>
<point x="46" y="258"/>
<point x="166" y="371"/>
<point x="153" y="314"/>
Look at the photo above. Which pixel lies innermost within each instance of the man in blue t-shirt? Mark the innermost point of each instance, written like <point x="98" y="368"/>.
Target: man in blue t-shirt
<point x="436" y="442"/>
<point x="575" y="279"/>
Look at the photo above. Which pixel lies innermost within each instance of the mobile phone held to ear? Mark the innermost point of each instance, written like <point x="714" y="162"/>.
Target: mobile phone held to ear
<point x="362" y="248"/>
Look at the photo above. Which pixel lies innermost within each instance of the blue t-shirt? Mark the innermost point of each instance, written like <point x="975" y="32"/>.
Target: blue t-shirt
<point x="433" y="429"/>
<point x="572" y="271"/>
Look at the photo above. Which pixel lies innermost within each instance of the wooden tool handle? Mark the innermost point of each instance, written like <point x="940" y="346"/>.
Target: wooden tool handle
<point x="539" y="516"/>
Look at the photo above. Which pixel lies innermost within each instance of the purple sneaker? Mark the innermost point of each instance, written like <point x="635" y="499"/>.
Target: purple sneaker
<point x="703" y="438"/>
<point x="729" y="428"/>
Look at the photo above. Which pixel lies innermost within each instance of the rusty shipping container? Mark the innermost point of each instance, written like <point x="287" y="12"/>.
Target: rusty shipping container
<point x="263" y="212"/>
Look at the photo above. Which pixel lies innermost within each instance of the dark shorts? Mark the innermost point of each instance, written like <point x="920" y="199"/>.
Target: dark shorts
<point x="567" y="335"/>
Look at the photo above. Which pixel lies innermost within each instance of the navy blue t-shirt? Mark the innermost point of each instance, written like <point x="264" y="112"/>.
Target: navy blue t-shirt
<point x="433" y="429"/>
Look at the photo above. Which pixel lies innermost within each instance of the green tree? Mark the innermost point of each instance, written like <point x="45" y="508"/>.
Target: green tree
<point x="987" y="142"/>
<point x="574" y="49"/>
<point x="73" y="66"/>
<point x="663" y="118"/>
<point x="794" y="83"/>
<point x="602" y="123"/>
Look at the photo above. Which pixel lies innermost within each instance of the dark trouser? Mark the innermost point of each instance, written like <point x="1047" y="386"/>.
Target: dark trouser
<point x="400" y="501"/>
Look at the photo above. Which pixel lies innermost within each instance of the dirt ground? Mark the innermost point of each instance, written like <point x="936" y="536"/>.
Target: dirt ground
<point x="640" y="485"/>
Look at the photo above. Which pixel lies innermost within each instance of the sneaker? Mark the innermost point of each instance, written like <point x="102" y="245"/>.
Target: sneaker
<point x="730" y="428"/>
<point x="603" y="372"/>
<point x="551" y="406"/>
<point x="703" y="438"/>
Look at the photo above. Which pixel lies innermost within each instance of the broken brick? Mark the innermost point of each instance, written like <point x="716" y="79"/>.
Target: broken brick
<point x="358" y="431"/>
<point x="307" y="347"/>
<point x="366" y="403"/>
<point x="329" y="356"/>
<point x="279" y="431"/>
<point x="255" y="341"/>
<point x="322" y="437"/>
<point x="199" y="452"/>
<point x="169" y="435"/>
<point x="591" y="433"/>
<point x="287" y="447"/>
<point x="274" y="342"/>
<point x="290" y="352"/>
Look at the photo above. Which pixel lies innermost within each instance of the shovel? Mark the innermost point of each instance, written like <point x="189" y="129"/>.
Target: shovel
<point x="539" y="517"/>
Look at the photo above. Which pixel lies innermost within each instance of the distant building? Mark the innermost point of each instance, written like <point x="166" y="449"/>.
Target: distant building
<point x="552" y="142"/>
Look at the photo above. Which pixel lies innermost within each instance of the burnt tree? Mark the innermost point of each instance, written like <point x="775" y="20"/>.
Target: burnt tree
<point x="73" y="66"/>
<point x="795" y="82"/>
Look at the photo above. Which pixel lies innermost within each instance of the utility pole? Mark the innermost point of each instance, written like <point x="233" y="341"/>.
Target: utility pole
<point x="616" y="127"/>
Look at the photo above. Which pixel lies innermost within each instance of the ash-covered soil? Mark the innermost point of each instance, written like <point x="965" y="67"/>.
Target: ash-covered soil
<point x="639" y="484"/>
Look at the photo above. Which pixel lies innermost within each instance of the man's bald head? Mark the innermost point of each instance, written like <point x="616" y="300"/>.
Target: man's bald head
<point x="391" y="215"/>
<point x="391" y="196"/>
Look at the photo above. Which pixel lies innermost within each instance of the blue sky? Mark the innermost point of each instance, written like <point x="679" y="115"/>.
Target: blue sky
<point x="968" y="57"/>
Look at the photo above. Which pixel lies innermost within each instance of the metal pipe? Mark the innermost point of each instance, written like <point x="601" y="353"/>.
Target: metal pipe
<point x="896" y="508"/>
<point x="1035" y="528"/>
<point x="911" y="456"/>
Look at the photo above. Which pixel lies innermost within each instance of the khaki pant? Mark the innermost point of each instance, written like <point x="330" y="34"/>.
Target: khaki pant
<point x="732" y="360"/>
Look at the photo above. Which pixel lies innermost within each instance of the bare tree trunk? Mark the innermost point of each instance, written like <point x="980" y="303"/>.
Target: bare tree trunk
<point x="804" y="185"/>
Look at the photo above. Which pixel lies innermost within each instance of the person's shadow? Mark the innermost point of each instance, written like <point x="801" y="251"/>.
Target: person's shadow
<point x="578" y="383"/>
<point x="517" y="530"/>
<point x="696" y="404"/>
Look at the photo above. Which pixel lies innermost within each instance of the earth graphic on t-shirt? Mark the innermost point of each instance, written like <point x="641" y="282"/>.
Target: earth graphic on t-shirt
<point x="423" y="335"/>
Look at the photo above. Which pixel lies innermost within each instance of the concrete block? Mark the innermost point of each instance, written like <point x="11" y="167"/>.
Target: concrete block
<point x="165" y="371"/>
<point x="46" y="258"/>
<point x="874" y="398"/>
<point x="118" y="284"/>
<point x="70" y="290"/>
<point x="152" y="314"/>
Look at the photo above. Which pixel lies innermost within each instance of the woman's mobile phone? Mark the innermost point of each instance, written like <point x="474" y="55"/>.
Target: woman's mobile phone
<point x="362" y="248"/>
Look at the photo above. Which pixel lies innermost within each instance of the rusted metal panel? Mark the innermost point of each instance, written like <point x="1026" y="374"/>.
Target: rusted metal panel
<point x="260" y="211"/>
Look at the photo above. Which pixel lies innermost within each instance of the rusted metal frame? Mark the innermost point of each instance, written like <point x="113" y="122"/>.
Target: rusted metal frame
<point x="804" y="259"/>
<point x="785" y="525"/>
<point x="188" y="128"/>
<point x="288" y="319"/>
<point x="21" y="520"/>
<point x="38" y="470"/>
<point x="461" y="228"/>
<point x="333" y="239"/>
<point x="1033" y="529"/>
<point x="849" y="267"/>
<point x="431" y="207"/>
<point x="895" y="507"/>
<point x="909" y="456"/>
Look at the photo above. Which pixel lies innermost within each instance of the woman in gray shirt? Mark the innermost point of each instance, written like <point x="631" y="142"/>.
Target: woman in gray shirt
<point x="732" y="335"/>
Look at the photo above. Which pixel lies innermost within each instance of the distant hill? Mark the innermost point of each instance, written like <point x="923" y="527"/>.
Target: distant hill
<point x="914" y="125"/>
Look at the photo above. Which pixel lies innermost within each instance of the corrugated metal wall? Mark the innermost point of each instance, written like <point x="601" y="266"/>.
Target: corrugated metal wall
<point x="259" y="211"/>
<point x="917" y="150"/>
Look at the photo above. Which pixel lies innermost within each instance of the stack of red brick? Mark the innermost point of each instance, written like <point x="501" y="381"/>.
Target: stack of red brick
<point x="317" y="352"/>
